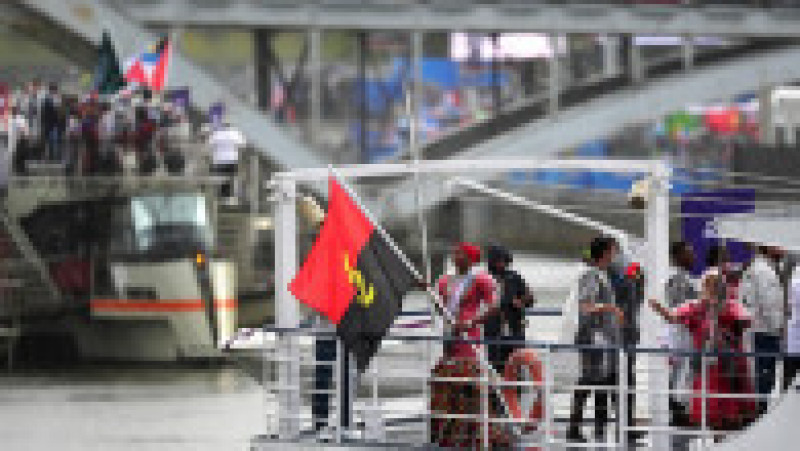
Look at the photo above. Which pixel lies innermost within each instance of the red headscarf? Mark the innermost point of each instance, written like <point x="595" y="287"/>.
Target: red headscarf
<point x="472" y="252"/>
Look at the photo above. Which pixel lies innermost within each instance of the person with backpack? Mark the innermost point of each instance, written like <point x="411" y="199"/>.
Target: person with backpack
<point x="508" y="324"/>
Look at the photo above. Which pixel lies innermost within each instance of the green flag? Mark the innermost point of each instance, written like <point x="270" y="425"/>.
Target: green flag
<point x="108" y="76"/>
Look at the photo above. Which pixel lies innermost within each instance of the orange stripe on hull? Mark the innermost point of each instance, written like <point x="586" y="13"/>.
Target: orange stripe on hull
<point x="140" y="305"/>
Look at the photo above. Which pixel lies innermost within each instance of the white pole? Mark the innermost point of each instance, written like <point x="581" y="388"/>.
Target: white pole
<point x="416" y="150"/>
<point x="657" y="236"/>
<point x="286" y="309"/>
<point x="622" y="396"/>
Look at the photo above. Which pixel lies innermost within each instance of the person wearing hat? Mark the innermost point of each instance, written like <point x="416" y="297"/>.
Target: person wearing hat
<point x="471" y="297"/>
<point x="508" y="323"/>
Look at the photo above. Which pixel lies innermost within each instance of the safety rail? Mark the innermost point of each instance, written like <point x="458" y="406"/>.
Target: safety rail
<point x="409" y="396"/>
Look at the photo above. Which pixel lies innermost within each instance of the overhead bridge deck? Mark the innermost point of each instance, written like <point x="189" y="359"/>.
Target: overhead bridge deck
<point x="742" y="18"/>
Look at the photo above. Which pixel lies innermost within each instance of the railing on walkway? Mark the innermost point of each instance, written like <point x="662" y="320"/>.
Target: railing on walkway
<point x="411" y="396"/>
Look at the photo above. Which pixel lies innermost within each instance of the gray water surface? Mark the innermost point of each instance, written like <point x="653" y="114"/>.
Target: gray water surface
<point x="130" y="409"/>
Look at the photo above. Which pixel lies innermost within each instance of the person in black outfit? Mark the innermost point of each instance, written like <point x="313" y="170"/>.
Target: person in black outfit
<point x="628" y="284"/>
<point x="53" y="123"/>
<point x="509" y="322"/>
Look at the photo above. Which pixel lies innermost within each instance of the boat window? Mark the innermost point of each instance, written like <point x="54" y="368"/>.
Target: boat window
<point x="171" y="223"/>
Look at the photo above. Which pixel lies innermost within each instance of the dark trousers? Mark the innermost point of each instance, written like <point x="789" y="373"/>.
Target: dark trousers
<point x="501" y="351"/>
<point x="630" y="368"/>
<point x="791" y="365"/>
<point x="601" y="398"/>
<point x="229" y="171"/>
<point x="765" y="366"/>
<point x="325" y="353"/>
<point x="52" y="138"/>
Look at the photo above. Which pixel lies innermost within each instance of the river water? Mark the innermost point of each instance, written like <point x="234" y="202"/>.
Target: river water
<point x="130" y="409"/>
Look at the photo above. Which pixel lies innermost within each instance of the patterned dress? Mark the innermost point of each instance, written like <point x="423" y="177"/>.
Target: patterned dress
<point x="478" y="295"/>
<point x="726" y="374"/>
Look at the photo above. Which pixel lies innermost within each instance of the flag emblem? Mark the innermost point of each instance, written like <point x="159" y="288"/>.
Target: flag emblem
<point x="353" y="276"/>
<point x="365" y="294"/>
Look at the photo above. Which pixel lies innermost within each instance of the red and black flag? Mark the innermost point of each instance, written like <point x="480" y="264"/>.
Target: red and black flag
<point x="353" y="277"/>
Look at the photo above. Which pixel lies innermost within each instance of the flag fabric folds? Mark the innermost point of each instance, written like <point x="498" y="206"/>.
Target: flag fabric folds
<point x="150" y="68"/>
<point x="108" y="77"/>
<point x="353" y="277"/>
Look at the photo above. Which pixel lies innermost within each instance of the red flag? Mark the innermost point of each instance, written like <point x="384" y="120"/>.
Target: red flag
<point x="353" y="276"/>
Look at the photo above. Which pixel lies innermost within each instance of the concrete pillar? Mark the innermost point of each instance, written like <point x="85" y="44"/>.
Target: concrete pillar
<point x="635" y="62"/>
<point x="262" y="40"/>
<point x="610" y="55"/>
<point x="495" y="67"/>
<point x="315" y="72"/>
<point x="361" y="38"/>
<point x="554" y="88"/>
<point x="415" y="96"/>
<point x="765" y="113"/>
<point x="687" y="52"/>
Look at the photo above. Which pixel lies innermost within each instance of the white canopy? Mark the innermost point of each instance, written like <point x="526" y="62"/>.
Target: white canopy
<point x="782" y="231"/>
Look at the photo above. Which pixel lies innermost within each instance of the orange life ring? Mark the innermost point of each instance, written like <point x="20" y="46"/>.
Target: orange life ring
<point x="525" y="402"/>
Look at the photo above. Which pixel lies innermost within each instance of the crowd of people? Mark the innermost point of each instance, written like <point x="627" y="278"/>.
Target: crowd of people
<point x="133" y="131"/>
<point x="729" y="310"/>
<point x="94" y="134"/>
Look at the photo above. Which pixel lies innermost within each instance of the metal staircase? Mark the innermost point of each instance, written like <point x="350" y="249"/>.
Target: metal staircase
<point x="24" y="270"/>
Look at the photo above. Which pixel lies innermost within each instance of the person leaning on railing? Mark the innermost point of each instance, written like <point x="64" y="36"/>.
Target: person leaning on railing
<point x="716" y="323"/>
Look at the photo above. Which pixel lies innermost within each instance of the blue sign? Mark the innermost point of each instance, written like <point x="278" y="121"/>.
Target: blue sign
<point x="700" y="209"/>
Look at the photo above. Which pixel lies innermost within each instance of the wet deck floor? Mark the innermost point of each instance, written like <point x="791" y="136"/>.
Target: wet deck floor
<point x="130" y="409"/>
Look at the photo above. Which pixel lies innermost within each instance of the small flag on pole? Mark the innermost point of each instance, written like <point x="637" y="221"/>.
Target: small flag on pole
<point x="108" y="76"/>
<point x="353" y="276"/>
<point x="150" y="68"/>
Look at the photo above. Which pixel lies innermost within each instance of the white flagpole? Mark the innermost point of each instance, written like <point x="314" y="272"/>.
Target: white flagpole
<point x="448" y="315"/>
<point x="170" y="44"/>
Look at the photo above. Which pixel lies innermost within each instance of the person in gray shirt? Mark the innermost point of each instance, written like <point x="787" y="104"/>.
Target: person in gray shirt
<point x="599" y="324"/>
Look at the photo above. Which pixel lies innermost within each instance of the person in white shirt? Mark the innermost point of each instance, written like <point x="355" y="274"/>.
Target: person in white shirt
<point x="761" y="292"/>
<point x="681" y="287"/>
<point x="225" y="144"/>
<point x="792" y="363"/>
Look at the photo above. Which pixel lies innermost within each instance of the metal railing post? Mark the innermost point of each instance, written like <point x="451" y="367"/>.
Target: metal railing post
<point x="548" y="399"/>
<point x="339" y="390"/>
<point x="373" y="419"/>
<point x="622" y="400"/>
<point x="703" y="400"/>
<point x="484" y="383"/>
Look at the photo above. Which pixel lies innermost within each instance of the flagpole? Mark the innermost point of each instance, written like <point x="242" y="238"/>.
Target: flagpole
<point x="448" y="316"/>
<point x="392" y="245"/>
<point x="170" y="43"/>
